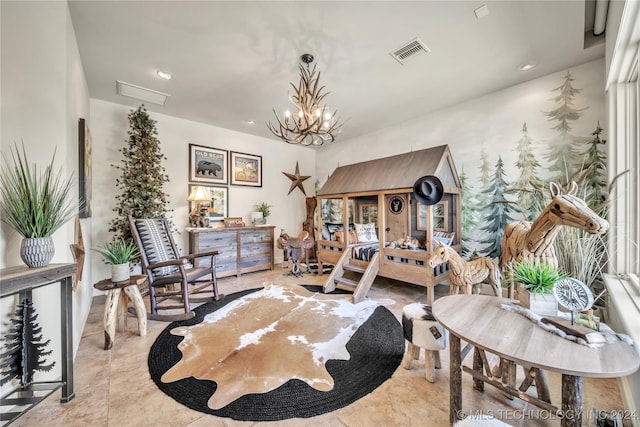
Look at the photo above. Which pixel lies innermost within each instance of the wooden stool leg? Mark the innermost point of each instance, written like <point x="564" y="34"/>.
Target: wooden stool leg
<point x="141" y="312"/>
<point x="429" y="365"/>
<point x="122" y="312"/>
<point x="437" y="363"/>
<point x="413" y="352"/>
<point x="110" y="317"/>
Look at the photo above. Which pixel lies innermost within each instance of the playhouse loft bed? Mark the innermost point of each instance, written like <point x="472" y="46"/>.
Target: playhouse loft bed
<point x="380" y="192"/>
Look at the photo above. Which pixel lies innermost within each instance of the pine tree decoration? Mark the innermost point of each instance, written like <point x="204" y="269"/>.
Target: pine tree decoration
<point x="529" y="198"/>
<point x="498" y="214"/>
<point x="562" y="150"/>
<point x="470" y="212"/>
<point x="143" y="176"/>
<point x="25" y="349"/>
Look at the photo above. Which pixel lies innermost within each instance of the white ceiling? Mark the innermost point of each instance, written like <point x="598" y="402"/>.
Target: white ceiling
<point x="233" y="61"/>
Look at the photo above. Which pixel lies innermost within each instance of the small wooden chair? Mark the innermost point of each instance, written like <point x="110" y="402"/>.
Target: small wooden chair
<point x="170" y="275"/>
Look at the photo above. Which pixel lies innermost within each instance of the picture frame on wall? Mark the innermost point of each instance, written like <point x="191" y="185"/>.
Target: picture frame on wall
<point x="246" y="169"/>
<point x="207" y="164"/>
<point x="84" y="167"/>
<point x="216" y="209"/>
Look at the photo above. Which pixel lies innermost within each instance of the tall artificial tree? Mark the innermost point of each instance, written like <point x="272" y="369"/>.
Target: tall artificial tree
<point x="142" y="175"/>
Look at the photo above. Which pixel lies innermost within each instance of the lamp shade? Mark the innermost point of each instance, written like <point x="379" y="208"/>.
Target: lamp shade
<point x="199" y="194"/>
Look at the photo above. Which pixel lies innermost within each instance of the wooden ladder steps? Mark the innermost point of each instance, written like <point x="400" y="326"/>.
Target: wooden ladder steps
<point x="355" y="268"/>
<point x="346" y="282"/>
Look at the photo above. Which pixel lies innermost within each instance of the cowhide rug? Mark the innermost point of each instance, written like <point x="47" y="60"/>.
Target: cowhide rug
<point x="274" y="349"/>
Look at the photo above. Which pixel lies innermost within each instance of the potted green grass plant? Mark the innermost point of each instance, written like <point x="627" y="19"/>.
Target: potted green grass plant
<point x="35" y="204"/>
<point x="534" y="285"/>
<point x="264" y="208"/>
<point x="119" y="253"/>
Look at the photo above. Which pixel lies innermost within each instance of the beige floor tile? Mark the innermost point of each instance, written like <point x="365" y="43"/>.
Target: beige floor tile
<point x="113" y="388"/>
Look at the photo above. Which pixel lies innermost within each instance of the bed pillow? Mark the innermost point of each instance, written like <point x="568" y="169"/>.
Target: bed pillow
<point x="366" y="233"/>
<point x="353" y="237"/>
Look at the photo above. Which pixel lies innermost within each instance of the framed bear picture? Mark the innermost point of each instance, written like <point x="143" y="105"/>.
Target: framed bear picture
<point x="207" y="165"/>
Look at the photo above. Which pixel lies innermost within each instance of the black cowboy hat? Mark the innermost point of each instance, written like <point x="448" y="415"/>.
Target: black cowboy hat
<point x="428" y="190"/>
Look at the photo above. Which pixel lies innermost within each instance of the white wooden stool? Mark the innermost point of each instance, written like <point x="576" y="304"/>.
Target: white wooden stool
<point x="421" y="330"/>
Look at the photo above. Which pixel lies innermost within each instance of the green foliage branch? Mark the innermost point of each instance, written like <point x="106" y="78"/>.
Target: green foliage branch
<point x="118" y="251"/>
<point x="263" y="207"/>
<point x="536" y="277"/>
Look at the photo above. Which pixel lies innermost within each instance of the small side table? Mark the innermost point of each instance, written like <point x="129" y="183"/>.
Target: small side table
<point x="114" y="294"/>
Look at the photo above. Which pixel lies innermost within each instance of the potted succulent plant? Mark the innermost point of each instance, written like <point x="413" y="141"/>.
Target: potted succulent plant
<point x="118" y="254"/>
<point x="534" y="285"/>
<point x="35" y="204"/>
<point x="264" y="208"/>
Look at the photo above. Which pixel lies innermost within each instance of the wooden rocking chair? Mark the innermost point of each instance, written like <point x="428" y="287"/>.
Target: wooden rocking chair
<point x="172" y="277"/>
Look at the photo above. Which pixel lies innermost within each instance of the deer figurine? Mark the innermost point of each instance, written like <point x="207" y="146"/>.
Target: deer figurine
<point x="533" y="241"/>
<point x="466" y="274"/>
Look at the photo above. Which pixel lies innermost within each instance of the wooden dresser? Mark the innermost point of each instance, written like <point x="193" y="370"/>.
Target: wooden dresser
<point x="242" y="249"/>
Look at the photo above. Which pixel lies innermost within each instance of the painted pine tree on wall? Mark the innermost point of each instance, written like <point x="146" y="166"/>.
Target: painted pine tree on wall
<point x="528" y="181"/>
<point x="142" y="175"/>
<point x="471" y="210"/>
<point x="498" y="213"/>
<point x="564" y="154"/>
<point x="595" y="180"/>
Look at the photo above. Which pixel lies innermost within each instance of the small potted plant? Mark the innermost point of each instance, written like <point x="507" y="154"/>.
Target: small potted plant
<point x="35" y="204"/>
<point x="118" y="254"/>
<point x="534" y="285"/>
<point x="264" y="208"/>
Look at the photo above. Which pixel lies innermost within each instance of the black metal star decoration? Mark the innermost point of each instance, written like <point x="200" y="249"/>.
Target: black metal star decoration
<point x="296" y="180"/>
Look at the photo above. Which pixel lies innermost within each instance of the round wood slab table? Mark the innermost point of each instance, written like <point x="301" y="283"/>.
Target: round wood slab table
<point x="480" y="321"/>
<point x="114" y="295"/>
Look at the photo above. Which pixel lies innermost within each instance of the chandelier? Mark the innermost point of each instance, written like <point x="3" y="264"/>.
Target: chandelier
<point x="311" y="123"/>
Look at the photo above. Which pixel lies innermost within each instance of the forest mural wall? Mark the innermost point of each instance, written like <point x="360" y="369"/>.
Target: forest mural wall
<point x="494" y="195"/>
<point x="522" y="136"/>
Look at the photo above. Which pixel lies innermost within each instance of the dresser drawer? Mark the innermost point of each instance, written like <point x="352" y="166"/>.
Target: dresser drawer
<point x="251" y="236"/>
<point x="215" y="241"/>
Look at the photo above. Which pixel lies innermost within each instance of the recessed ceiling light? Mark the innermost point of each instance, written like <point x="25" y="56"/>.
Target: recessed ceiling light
<point x="250" y="122"/>
<point x="527" y="66"/>
<point x="164" y="75"/>
<point x="481" y="12"/>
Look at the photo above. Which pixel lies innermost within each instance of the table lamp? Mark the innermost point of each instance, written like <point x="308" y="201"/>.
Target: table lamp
<point x="198" y="194"/>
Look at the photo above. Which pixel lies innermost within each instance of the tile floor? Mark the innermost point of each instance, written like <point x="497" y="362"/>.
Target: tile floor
<point x="113" y="388"/>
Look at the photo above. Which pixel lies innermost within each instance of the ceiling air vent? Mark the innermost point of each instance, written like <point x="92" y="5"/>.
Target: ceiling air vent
<point x="141" y="93"/>
<point x="410" y="49"/>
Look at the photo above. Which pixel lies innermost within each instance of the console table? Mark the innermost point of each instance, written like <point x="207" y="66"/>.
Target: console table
<point x="22" y="280"/>
<point x="240" y="249"/>
<point x="480" y="321"/>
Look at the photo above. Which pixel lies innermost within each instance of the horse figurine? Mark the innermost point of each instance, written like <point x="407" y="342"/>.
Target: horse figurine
<point x="533" y="241"/>
<point x="466" y="274"/>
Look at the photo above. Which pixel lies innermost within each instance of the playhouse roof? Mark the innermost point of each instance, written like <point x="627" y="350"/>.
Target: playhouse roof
<point x="398" y="172"/>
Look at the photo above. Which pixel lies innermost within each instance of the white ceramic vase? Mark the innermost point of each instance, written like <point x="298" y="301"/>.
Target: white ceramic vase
<point x="120" y="272"/>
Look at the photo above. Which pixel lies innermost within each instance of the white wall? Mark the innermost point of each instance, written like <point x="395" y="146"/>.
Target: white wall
<point x="109" y="133"/>
<point x="44" y="93"/>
